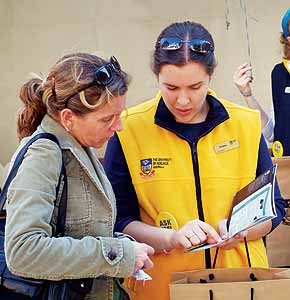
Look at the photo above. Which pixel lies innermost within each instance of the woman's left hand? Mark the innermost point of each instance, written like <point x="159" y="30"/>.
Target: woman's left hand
<point x="232" y="242"/>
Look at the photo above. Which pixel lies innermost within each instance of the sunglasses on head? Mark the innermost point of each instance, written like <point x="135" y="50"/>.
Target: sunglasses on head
<point x="175" y="43"/>
<point x="103" y="76"/>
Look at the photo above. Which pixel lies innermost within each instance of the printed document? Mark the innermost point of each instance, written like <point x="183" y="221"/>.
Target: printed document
<point x="252" y="205"/>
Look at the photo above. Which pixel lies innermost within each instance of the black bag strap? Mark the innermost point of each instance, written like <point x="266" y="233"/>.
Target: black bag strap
<point x="211" y="294"/>
<point x="61" y="190"/>
<point x="211" y="276"/>
<point x="247" y="252"/>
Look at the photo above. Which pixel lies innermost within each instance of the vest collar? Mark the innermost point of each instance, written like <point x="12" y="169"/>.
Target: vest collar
<point x="216" y="115"/>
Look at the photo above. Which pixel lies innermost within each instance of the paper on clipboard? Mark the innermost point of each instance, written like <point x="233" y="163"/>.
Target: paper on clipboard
<point x="252" y="205"/>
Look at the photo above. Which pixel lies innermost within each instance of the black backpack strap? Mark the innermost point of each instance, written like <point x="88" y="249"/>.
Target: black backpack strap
<point x="60" y="190"/>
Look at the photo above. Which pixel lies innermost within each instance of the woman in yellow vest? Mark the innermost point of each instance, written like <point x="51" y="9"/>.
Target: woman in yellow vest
<point x="179" y="161"/>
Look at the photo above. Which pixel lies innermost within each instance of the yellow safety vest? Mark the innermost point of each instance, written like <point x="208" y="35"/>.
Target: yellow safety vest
<point x="161" y="168"/>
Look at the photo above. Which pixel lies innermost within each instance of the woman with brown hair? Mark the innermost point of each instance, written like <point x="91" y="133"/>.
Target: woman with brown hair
<point x="179" y="161"/>
<point x="80" y="103"/>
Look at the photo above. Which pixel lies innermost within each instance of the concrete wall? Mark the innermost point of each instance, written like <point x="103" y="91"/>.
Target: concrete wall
<point x="35" y="33"/>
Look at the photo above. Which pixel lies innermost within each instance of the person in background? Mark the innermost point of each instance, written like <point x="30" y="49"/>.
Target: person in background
<point x="180" y="159"/>
<point x="276" y="124"/>
<point x="80" y="102"/>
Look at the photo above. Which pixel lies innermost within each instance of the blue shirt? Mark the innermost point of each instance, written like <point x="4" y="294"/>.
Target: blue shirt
<point x="281" y="103"/>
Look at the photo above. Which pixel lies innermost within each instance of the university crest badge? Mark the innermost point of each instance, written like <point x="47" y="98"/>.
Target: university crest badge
<point x="146" y="168"/>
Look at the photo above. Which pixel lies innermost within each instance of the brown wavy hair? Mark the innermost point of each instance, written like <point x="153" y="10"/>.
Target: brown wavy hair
<point x="60" y="89"/>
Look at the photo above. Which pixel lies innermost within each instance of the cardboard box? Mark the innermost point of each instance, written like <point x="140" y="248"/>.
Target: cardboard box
<point x="278" y="242"/>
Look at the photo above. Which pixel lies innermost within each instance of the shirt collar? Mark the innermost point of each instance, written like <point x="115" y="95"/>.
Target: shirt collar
<point x="286" y="64"/>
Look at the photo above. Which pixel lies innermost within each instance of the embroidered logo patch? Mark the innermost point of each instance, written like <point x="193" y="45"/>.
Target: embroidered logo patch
<point x="148" y="166"/>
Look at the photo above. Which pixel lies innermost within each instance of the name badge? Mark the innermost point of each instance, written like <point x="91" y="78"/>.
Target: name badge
<point x="287" y="90"/>
<point x="226" y="146"/>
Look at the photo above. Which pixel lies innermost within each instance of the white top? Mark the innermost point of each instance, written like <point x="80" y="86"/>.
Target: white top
<point x="268" y="130"/>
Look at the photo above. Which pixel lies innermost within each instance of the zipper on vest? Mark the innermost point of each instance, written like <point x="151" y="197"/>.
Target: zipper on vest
<point x="193" y="147"/>
<point x="198" y="197"/>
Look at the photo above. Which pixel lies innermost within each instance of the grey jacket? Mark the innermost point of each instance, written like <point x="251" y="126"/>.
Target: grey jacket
<point x="88" y="249"/>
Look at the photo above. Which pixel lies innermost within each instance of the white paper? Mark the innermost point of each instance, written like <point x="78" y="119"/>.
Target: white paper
<point x="255" y="209"/>
<point x="141" y="275"/>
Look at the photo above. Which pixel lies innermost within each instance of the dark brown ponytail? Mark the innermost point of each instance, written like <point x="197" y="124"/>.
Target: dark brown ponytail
<point x="33" y="111"/>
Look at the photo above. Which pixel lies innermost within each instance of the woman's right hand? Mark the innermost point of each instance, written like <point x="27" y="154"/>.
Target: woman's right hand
<point x="192" y="233"/>
<point x="142" y="253"/>
<point x="242" y="79"/>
